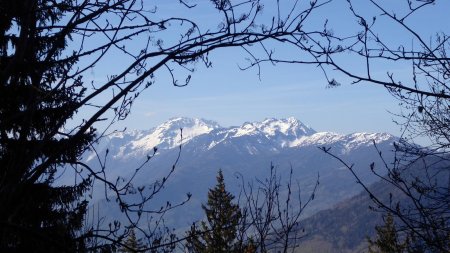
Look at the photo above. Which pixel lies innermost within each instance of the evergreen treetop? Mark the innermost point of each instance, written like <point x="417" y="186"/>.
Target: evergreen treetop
<point x="132" y="243"/>
<point x="218" y="233"/>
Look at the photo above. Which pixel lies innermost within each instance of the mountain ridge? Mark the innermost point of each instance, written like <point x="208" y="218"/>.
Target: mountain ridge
<point x="271" y="132"/>
<point x="248" y="149"/>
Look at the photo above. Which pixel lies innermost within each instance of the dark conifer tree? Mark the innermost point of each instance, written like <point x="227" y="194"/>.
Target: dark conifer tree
<point x="132" y="243"/>
<point x="219" y="233"/>
<point x="35" y="103"/>
<point x="387" y="239"/>
<point x="390" y="240"/>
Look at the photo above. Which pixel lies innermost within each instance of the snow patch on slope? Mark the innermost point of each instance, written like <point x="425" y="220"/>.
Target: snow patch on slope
<point x="129" y="144"/>
<point x="289" y="128"/>
<point x="174" y="132"/>
<point x="320" y="138"/>
<point x="349" y="142"/>
<point x="286" y="127"/>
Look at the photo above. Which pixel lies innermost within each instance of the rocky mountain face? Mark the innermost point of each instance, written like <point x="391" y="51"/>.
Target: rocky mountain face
<point x="246" y="151"/>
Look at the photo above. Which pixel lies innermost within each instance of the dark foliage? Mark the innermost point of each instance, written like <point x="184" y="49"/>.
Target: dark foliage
<point x="387" y="238"/>
<point x="267" y="218"/>
<point x="36" y="101"/>
<point x="132" y="243"/>
<point x="219" y="233"/>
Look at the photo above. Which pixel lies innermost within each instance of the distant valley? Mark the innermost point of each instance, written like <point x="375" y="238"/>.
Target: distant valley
<point x="247" y="151"/>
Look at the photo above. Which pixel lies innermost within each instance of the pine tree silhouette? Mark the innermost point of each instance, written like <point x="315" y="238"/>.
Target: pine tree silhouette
<point x="36" y="100"/>
<point x="132" y="243"/>
<point x="217" y="234"/>
<point x="387" y="240"/>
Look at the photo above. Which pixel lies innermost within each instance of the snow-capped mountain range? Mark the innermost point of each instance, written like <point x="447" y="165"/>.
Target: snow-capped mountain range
<point x="247" y="150"/>
<point x="270" y="135"/>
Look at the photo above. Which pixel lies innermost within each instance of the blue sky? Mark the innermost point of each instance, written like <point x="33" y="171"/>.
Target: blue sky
<point x="230" y="96"/>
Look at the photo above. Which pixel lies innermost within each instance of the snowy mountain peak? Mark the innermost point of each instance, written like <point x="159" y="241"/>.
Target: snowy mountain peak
<point x="168" y="134"/>
<point x="281" y="129"/>
<point x="268" y="136"/>
<point x="277" y="133"/>
<point x="138" y="143"/>
<point x="185" y="123"/>
<point x="289" y="127"/>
